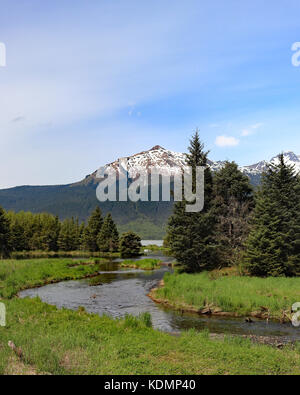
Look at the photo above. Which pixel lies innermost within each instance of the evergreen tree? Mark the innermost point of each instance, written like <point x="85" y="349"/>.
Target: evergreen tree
<point x="17" y="233"/>
<point x="130" y="244"/>
<point x="233" y="202"/>
<point x="81" y="233"/>
<point x="192" y="236"/>
<point x="68" y="239"/>
<point x="45" y="231"/>
<point x="108" y="238"/>
<point x="5" y="247"/>
<point x="273" y="246"/>
<point x="92" y="231"/>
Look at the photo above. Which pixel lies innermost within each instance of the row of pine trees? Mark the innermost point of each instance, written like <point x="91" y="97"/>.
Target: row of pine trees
<point x="25" y="231"/>
<point x="256" y="229"/>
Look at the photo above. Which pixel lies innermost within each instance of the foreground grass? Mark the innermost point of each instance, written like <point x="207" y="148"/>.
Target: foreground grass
<point x="144" y="264"/>
<point x="69" y="342"/>
<point x="240" y="295"/>
<point x="16" y="275"/>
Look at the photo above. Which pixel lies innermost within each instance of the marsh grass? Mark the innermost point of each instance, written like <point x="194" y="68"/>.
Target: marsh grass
<point x="144" y="264"/>
<point x="16" y="275"/>
<point x="236" y="294"/>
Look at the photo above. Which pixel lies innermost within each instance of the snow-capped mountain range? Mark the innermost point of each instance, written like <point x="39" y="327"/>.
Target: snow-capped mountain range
<point x="290" y="159"/>
<point x="170" y="163"/>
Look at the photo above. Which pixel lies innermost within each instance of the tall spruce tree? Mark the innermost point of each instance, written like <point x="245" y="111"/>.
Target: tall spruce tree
<point x="273" y="246"/>
<point x="108" y="238"/>
<point x="192" y="236"/>
<point x="5" y="247"/>
<point x="92" y="231"/>
<point x="233" y="202"/>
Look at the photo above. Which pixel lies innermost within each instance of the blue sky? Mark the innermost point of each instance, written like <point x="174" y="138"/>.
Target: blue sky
<point x="89" y="81"/>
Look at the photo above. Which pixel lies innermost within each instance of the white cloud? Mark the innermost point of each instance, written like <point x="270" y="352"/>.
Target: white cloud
<point x="226" y="141"/>
<point x="251" y="130"/>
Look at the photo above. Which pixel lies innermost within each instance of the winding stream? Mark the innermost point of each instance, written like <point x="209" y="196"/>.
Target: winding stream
<point x="124" y="291"/>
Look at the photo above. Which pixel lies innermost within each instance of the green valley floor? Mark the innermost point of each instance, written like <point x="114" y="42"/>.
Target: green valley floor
<point x="53" y="341"/>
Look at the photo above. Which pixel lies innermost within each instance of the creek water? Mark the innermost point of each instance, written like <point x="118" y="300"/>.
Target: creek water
<point x="124" y="291"/>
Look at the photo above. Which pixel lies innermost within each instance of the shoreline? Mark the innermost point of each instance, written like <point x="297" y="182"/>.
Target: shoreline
<point x="213" y="310"/>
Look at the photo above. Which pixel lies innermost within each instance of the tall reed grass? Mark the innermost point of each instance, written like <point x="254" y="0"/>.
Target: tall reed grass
<point x="237" y="294"/>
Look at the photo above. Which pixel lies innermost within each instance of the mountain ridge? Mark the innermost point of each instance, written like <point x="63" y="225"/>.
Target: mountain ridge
<point x="171" y="163"/>
<point x="78" y="199"/>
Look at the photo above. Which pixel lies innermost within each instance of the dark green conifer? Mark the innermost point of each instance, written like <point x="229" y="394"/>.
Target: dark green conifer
<point x="68" y="239"/>
<point x="273" y="246"/>
<point x="233" y="202"/>
<point x="108" y="238"/>
<point x="192" y="236"/>
<point x="92" y="231"/>
<point x="130" y="244"/>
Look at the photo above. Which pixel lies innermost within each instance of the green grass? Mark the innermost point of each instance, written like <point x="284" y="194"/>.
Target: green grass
<point x="144" y="264"/>
<point x="236" y="294"/>
<point x="16" y="275"/>
<point x="74" y="342"/>
<point x="62" y="254"/>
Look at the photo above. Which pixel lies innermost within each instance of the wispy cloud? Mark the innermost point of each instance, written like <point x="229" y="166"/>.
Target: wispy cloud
<point x="226" y="141"/>
<point x="251" y="130"/>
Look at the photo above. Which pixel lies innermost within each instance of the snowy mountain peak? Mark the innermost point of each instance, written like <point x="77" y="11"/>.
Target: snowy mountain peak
<point x="157" y="147"/>
<point x="290" y="159"/>
<point x="289" y="156"/>
<point x="165" y="161"/>
<point x="171" y="163"/>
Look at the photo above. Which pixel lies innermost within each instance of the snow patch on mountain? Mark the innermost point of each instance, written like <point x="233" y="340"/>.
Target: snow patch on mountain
<point x="170" y="163"/>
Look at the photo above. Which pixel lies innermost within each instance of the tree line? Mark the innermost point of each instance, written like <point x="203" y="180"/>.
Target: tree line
<point x="25" y="231"/>
<point x="256" y="229"/>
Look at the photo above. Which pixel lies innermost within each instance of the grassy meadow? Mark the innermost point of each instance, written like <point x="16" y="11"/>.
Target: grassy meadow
<point x="240" y="295"/>
<point x="60" y="341"/>
<point x="16" y="275"/>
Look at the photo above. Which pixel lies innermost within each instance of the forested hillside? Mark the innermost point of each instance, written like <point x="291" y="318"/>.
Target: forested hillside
<point x="78" y="200"/>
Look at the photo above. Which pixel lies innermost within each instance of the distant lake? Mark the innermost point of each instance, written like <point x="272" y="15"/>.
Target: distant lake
<point x="158" y="243"/>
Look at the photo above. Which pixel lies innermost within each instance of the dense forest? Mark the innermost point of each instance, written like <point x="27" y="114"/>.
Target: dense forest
<point x="257" y="230"/>
<point x="25" y="231"/>
<point x="148" y="219"/>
